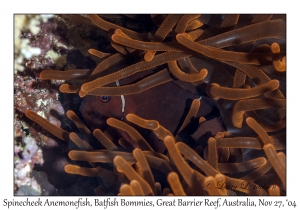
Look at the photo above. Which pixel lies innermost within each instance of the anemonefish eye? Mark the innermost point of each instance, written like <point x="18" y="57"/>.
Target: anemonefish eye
<point x="105" y="98"/>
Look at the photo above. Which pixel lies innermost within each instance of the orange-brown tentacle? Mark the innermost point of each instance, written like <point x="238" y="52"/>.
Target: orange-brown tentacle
<point x="185" y="170"/>
<point x="124" y="167"/>
<point x="144" y="167"/>
<point x="196" y="159"/>
<point x="256" y="74"/>
<point x="98" y="53"/>
<point x="276" y="163"/>
<point x="253" y="104"/>
<point x="65" y="75"/>
<point x="126" y="190"/>
<point x="179" y="74"/>
<point x="229" y="22"/>
<point x="78" y="122"/>
<point x="56" y="131"/>
<point x="107" y="26"/>
<point x="269" y="150"/>
<point x="239" y="79"/>
<point x="66" y="88"/>
<point x="261" y="17"/>
<point x="175" y="184"/>
<point x="153" y="125"/>
<point x="104" y="140"/>
<point x="218" y="54"/>
<point x="242" y="166"/>
<point x="266" y="29"/>
<point x="143" y="144"/>
<point x="154" y="80"/>
<point x="191" y="114"/>
<point x="193" y="25"/>
<point x="104" y="156"/>
<point x="212" y="157"/>
<point x="258" y="172"/>
<point x="157" y="46"/>
<point x="136" y="188"/>
<point x="162" y="32"/>
<point x="216" y="91"/>
<point x="279" y="65"/>
<point x="183" y="22"/>
<point x="83" y="145"/>
<point x="130" y="70"/>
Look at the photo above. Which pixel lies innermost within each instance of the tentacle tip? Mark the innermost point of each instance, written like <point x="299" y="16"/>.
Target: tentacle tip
<point x="137" y="153"/>
<point x="82" y="93"/>
<point x="117" y="161"/>
<point x="109" y="121"/>
<point x="168" y="139"/>
<point x="113" y="37"/>
<point x="204" y="70"/>
<point x="130" y="117"/>
<point x="68" y="168"/>
<point x="72" y="134"/>
<point x="148" y="56"/>
<point x="118" y="31"/>
<point x="84" y="88"/>
<point x="172" y="176"/>
<point x="63" y="88"/>
<point x="69" y="113"/>
<point x="211" y="139"/>
<point x="275" y="84"/>
<point x="181" y="35"/>
<point x="214" y="85"/>
<point x="28" y="112"/>
<point x="43" y="75"/>
<point x="250" y="121"/>
<point x="275" y="48"/>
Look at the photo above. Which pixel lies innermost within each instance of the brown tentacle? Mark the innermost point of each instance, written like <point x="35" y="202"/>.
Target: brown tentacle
<point x="253" y="104"/>
<point x="266" y="29"/>
<point x="143" y="144"/>
<point x="218" y="54"/>
<point x="130" y="70"/>
<point x="279" y="65"/>
<point x="153" y="125"/>
<point x="154" y="80"/>
<point x="229" y="22"/>
<point x="124" y="167"/>
<point x="261" y="17"/>
<point x="175" y="184"/>
<point x="65" y="75"/>
<point x="79" y="124"/>
<point x="176" y="71"/>
<point x="162" y="33"/>
<point x="183" y="22"/>
<point x="185" y="170"/>
<point x="144" y="167"/>
<point x="192" y="113"/>
<point x="242" y="166"/>
<point x="104" y="140"/>
<point x="193" y="25"/>
<point x="98" y="53"/>
<point x="56" y="131"/>
<point x="107" y="26"/>
<point x="216" y="91"/>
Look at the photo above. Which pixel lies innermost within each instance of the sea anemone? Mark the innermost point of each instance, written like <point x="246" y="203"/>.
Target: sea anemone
<point x="178" y="105"/>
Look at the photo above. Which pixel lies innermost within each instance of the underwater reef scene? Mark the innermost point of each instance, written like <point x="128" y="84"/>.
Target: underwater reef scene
<point x="179" y="104"/>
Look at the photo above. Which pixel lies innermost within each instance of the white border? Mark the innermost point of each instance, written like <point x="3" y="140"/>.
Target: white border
<point x="55" y="6"/>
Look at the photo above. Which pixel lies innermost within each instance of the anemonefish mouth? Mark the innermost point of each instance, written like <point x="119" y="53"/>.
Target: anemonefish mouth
<point x="92" y="119"/>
